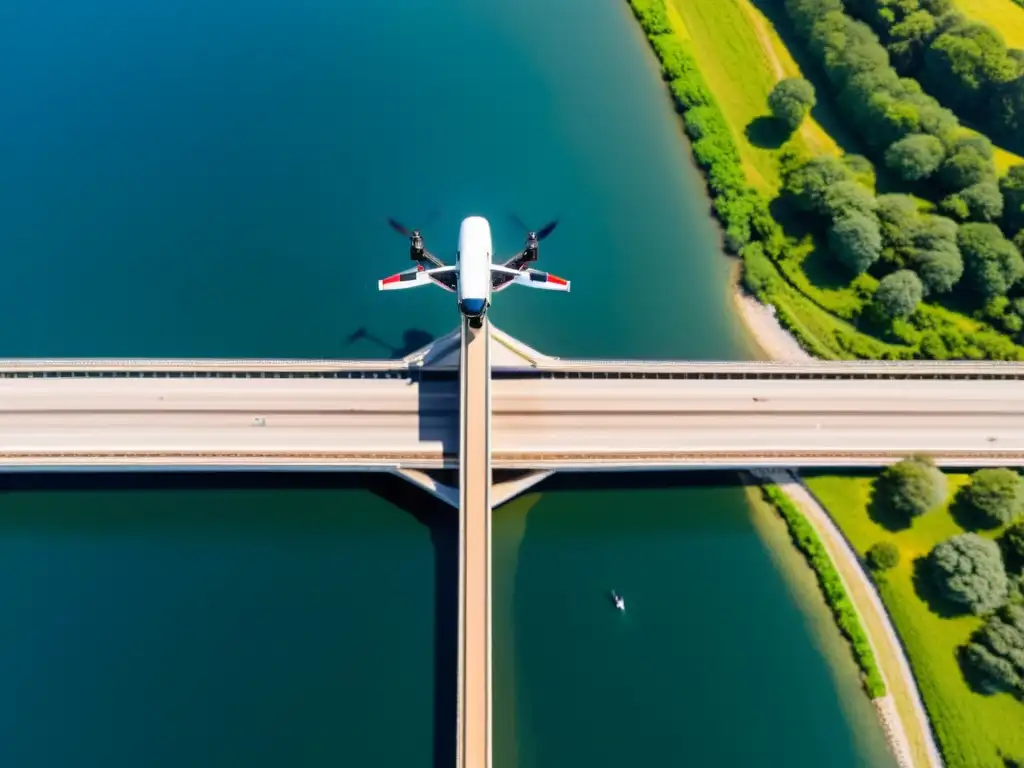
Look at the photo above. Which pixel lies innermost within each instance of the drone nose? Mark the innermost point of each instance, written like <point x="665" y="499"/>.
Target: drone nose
<point x="472" y="307"/>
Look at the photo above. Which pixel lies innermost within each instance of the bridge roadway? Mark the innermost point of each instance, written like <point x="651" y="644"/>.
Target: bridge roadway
<point x="474" y="686"/>
<point x="538" y="422"/>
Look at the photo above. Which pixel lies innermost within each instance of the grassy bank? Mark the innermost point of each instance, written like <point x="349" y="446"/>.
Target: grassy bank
<point x="973" y="730"/>
<point x="733" y="53"/>
<point x="839" y="603"/>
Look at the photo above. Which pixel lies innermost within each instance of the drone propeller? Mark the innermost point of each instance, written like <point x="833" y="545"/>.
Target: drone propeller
<point x="541" y="233"/>
<point x="404" y="230"/>
<point x="400" y="228"/>
<point x="417" y="252"/>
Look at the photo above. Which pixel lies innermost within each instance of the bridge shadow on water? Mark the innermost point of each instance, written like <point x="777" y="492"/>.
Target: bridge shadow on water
<point x="412" y="339"/>
<point x="439" y="518"/>
<point x="648" y="480"/>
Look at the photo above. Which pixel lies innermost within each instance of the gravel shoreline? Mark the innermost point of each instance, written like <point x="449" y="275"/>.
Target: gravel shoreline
<point x="770" y="337"/>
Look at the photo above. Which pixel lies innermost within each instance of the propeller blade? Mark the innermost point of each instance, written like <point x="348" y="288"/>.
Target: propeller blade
<point x="543" y="232"/>
<point x="546" y="230"/>
<point x="399" y="228"/>
<point x="404" y="230"/>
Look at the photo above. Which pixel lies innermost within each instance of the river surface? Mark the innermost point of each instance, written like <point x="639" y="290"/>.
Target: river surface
<point x="210" y="178"/>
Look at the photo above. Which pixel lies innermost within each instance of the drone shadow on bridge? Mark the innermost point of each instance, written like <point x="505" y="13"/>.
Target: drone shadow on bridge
<point x="438" y="518"/>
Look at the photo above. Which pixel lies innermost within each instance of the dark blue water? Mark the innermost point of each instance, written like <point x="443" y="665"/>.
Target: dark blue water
<point x="211" y="178"/>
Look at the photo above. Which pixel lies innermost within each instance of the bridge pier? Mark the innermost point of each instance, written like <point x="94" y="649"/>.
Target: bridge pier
<point x="473" y="747"/>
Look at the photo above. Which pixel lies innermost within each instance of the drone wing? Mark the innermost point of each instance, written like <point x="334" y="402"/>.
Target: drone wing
<point x="445" y="277"/>
<point x="502" y="277"/>
<point x="531" y="278"/>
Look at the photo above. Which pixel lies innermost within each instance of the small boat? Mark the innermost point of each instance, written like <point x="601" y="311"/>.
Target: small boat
<point x="619" y="602"/>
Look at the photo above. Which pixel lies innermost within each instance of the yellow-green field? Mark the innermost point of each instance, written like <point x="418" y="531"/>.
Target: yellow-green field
<point x="1004" y="15"/>
<point x="742" y="58"/>
<point x="971" y="728"/>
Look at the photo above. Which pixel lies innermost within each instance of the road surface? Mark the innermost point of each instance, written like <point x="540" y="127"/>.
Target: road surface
<point x="577" y="421"/>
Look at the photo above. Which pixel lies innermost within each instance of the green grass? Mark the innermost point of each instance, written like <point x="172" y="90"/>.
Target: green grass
<point x="1005" y="15"/>
<point x="972" y="729"/>
<point x="730" y="37"/>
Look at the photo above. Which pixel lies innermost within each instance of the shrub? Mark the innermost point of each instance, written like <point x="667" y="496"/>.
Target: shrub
<point x="995" y="495"/>
<point x="898" y="294"/>
<point x="883" y="556"/>
<point x="652" y="16"/>
<point x="790" y="101"/>
<point x="969" y="571"/>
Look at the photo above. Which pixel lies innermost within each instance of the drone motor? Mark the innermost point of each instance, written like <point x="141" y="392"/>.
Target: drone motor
<point x="533" y="238"/>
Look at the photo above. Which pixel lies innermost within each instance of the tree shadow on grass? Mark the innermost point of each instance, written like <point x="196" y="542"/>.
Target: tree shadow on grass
<point x="822" y="270"/>
<point x="881" y="511"/>
<point x="929" y="592"/>
<point x="767" y="133"/>
<point x="975" y="681"/>
<point x="966" y="515"/>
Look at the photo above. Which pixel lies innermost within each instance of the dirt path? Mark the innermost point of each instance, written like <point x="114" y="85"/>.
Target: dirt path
<point x="881" y="635"/>
<point x="757" y="23"/>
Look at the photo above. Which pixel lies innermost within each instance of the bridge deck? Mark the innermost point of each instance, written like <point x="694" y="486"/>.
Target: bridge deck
<point x="539" y="423"/>
<point x="474" y="716"/>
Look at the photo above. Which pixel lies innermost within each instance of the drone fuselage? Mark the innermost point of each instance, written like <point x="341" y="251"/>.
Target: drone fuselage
<point x="474" y="267"/>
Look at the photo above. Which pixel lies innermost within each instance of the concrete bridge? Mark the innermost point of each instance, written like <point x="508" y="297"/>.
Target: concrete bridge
<point x="480" y="401"/>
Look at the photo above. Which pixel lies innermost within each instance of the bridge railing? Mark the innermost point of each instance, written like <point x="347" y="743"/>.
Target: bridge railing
<point x="541" y="368"/>
<point x="199" y="368"/>
<point x="859" y="370"/>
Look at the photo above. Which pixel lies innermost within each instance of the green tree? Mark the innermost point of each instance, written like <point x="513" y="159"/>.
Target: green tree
<point x="939" y="268"/>
<point x="809" y="182"/>
<point x="984" y="201"/>
<point x="791" y="100"/>
<point x="856" y="241"/>
<point x="898" y="294"/>
<point x="996" y="652"/>
<point x="898" y="219"/>
<point x="846" y="197"/>
<point x="969" y="162"/>
<point x="916" y="156"/>
<point x="883" y="556"/>
<point x="1012" y="187"/>
<point x="996" y="495"/>
<point x="911" y="487"/>
<point x="862" y="169"/>
<point x="969" y="571"/>
<point x="993" y="264"/>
